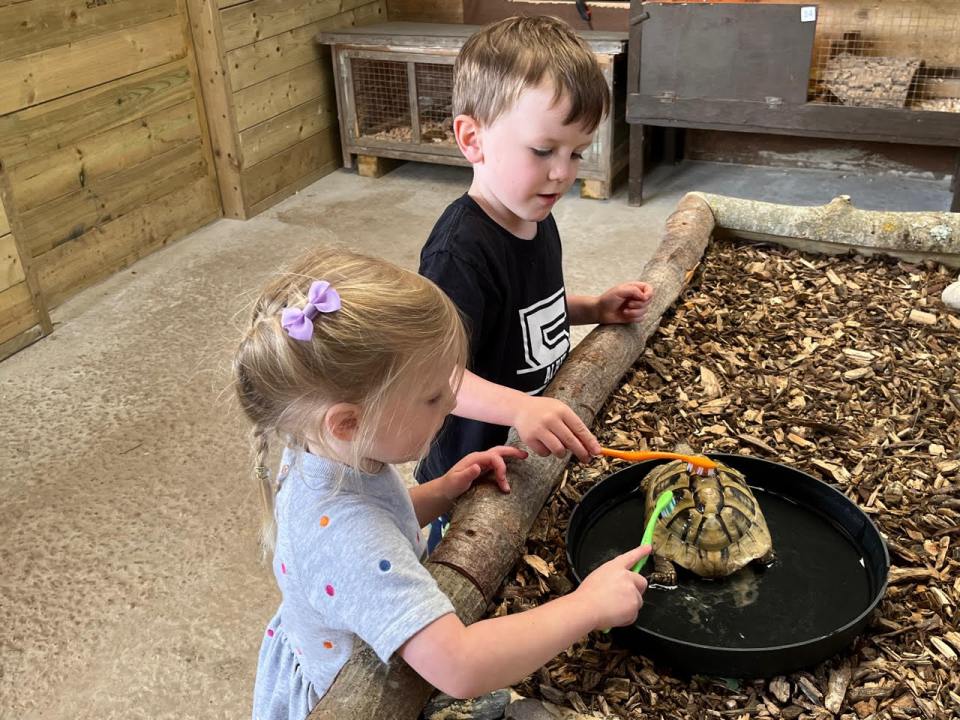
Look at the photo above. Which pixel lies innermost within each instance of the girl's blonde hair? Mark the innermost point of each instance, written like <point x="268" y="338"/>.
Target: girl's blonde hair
<point x="501" y="60"/>
<point x="392" y="325"/>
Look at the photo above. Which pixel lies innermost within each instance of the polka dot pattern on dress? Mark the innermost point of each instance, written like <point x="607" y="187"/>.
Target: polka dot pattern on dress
<point x="328" y="645"/>
<point x="329" y="590"/>
<point x="385" y="566"/>
<point x="269" y="632"/>
<point x="324" y="521"/>
<point x="283" y="568"/>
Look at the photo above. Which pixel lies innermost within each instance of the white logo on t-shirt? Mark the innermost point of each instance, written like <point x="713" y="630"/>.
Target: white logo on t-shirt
<point x="546" y="340"/>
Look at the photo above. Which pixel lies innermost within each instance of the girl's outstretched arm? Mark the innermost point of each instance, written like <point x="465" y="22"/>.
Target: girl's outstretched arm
<point x="466" y="661"/>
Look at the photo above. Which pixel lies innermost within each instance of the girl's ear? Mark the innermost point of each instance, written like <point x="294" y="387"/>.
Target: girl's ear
<point x="469" y="136"/>
<point x="342" y="421"/>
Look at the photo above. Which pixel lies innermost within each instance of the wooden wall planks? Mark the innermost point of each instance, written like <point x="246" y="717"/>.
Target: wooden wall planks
<point x="268" y="89"/>
<point x="258" y="103"/>
<point x="38" y="130"/>
<point x="109" y="131"/>
<point x="46" y="75"/>
<point x="48" y="24"/>
<point x="104" y="153"/>
<point x="246" y="23"/>
<point x="4" y="223"/>
<point x="288" y="128"/>
<point x="438" y="11"/>
<point x="118" y="243"/>
<point x="84" y="163"/>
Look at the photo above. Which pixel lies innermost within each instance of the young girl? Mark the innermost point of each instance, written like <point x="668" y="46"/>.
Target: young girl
<point x="355" y="363"/>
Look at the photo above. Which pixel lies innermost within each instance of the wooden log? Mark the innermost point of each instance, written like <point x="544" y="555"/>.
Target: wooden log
<point x="488" y="528"/>
<point x="839" y="227"/>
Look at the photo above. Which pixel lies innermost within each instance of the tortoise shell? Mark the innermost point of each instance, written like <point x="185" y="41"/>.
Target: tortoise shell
<point x="717" y="526"/>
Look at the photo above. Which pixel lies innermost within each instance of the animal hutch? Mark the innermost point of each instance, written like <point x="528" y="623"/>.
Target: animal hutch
<point x="394" y="85"/>
<point x="842" y="69"/>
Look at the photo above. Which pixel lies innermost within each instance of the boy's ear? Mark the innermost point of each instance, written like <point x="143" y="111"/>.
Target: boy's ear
<point x="468" y="133"/>
<point x="342" y="421"/>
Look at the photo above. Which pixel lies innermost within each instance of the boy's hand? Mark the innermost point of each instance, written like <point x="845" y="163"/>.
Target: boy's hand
<point x="548" y="426"/>
<point x="460" y="477"/>
<point x="613" y="591"/>
<point x="624" y="303"/>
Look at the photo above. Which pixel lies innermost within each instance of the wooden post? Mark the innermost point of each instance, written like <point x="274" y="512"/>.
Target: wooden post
<point x="635" y="182"/>
<point x="218" y="101"/>
<point x="373" y="166"/>
<point x="488" y="528"/>
<point x="595" y="189"/>
<point x="29" y="269"/>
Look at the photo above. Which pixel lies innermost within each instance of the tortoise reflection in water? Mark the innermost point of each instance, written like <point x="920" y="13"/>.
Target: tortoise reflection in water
<point x="716" y="528"/>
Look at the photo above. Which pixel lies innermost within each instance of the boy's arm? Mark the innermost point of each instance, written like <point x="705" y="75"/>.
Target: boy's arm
<point x="624" y="303"/>
<point x="582" y="309"/>
<point x="546" y="425"/>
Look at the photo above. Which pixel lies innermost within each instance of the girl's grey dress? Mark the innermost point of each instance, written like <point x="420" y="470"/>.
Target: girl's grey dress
<point x="348" y="564"/>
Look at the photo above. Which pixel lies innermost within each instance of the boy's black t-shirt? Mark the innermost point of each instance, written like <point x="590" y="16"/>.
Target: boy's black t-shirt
<point x="511" y="295"/>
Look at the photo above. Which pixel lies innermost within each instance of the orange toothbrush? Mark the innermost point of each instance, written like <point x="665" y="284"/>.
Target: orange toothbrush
<point x="699" y="464"/>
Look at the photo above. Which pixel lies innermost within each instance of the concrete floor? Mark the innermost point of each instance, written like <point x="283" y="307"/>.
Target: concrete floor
<point x="131" y="586"/>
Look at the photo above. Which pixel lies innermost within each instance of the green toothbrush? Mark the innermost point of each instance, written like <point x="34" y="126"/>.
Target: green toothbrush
<point x="664" y="505"/>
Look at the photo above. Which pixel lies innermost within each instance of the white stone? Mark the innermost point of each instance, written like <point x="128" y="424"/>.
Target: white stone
<point x="951" y="295"/>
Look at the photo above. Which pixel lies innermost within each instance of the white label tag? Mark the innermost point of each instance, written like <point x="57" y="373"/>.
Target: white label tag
<point x="808" y="13"/>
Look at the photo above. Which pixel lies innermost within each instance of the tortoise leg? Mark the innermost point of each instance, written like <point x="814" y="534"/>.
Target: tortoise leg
<point x="664" y="573"/>
<point x="767" y="559"/>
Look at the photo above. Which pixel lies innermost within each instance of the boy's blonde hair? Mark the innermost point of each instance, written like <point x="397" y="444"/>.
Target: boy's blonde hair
<point x="500" y="61"/>
<point x="393" y="326"/>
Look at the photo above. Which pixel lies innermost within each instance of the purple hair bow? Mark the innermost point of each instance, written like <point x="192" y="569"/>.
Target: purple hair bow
<point x="321" y="298"/>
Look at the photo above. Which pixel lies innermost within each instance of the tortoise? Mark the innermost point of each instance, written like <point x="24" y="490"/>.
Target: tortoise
<point x="716" y="528"/>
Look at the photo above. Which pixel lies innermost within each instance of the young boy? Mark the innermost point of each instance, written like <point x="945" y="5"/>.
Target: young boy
<point x="528" y="95"/>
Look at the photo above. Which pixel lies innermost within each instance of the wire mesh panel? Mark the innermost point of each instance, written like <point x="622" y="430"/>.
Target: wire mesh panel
<point x="435" y="102"/>
<point x="381" y="99"/>
<point x="903" y="55"/>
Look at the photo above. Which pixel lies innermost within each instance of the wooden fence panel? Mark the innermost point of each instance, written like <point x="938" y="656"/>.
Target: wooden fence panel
<point x="288" y="128"/>
<point x="42" y="129"/>
<point x="104" y="151"/>
<point x="114" y="245"/>
<point x="78" y="165"/>
<point x="269" y="98"/>
<point x="268" y="90"/>
<point x="49" y="74"/>
<point x="35" y="25"/>
<point x="55" y="222"/>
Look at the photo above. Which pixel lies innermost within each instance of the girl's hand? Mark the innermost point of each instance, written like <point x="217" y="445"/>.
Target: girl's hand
<point x="613" y="591"/>
<point x="548" y="427"/>
<point x="460" y="477"/>
<point x="624" y="303"/>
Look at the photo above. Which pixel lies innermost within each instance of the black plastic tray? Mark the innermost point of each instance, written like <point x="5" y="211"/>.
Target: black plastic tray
<point x="830" y="574"/>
